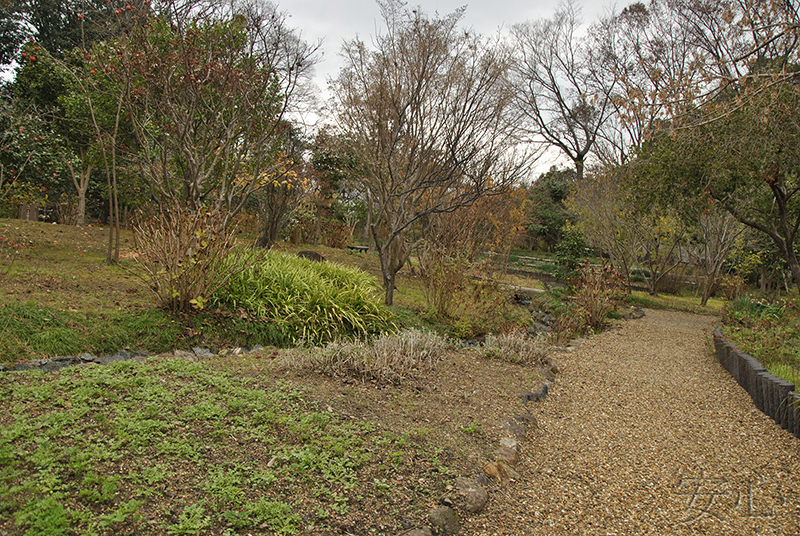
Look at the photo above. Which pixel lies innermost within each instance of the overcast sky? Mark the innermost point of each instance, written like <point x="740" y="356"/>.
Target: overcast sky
<point x="336" y="21"/>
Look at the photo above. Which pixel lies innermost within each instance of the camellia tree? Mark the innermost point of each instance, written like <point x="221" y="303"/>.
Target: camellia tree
<point x="547" y="215"/>
<point x="747" y="161"/>
<point x="207" y="95"/>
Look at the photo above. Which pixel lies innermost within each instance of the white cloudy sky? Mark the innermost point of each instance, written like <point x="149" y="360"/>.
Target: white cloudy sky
<point x="335" y="21"/>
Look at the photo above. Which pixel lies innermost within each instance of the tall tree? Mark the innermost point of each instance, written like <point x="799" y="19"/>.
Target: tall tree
<point x="427" y="112"/>
<point x="652" y="58"/>
<point x="208" y="97"/>
<point x="563" y="97"/>
<point x="604" y="217"/>
<point x="57" y="25"/>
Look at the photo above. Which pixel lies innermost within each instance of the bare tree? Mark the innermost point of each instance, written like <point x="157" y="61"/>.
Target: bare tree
<point x="651" y="57"/>
<point x="427" y="114"/>
<point x="740" y="44"/>
<point x="562" y="96"/>
<point x="718" y="233"/>
<point x="598" y="200"/>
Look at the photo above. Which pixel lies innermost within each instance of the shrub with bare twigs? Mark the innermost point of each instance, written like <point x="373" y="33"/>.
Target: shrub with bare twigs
<point x="187" y="255"/>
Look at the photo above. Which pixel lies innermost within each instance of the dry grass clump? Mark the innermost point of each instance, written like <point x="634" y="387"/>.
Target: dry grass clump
<point x="388" y="359"/>
<point x="516" y="347"/>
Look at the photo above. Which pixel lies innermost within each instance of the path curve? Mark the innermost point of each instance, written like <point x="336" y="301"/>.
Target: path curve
<point x="645" y="433"/>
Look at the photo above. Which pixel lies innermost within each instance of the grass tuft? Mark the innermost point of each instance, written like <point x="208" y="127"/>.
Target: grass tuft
<point x="516" y="347"/>
<point x="306" y="301"/>
<point x="389" y="359"/>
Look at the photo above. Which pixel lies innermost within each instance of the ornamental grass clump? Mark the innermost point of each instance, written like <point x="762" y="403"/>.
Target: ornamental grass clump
<point x="309" y="302"/>
<point x="389" y="359"/>
<point x="515" y="347"/>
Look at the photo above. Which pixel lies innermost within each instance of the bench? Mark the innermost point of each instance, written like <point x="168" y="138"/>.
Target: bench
<point x="362" y="249"/>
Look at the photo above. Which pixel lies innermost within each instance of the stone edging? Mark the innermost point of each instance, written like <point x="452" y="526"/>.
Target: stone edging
<point x="470" y="495"/>
<point x="59" y="362"/>
<point x="775" y="397"/>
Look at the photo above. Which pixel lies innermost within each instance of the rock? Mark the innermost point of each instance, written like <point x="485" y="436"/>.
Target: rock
<point x="472" y="496"/>
<point x="23" y="366"/>
<point x="510" y="443"/>
<point x="444" y="519"/>
<point x="536" y="395"/>
<point x="53" y="365"/>
<point x="183" y="354"/>
<point x="500" y="472"/>
<point x="87" y="358"/>
<point x="528" y="420"/>
<point x="257" y="348"/>
<point x="522" y="299"/>
<point x="202" y="352"/>
<point x="537" y="328"/>
<point x="481" y="479"/>
<point x="424" y="531"/>
<point x="311" y="255"/>
<point x="633" y="313"/>
<point x="506" y="455"/>
<point x="515" y="429"/>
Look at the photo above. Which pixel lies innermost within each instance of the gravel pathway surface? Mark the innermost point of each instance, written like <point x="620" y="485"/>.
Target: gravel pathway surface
<point x="645" y="433"/>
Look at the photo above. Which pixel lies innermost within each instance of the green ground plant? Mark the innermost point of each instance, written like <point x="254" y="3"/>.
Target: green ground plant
<point x="769" y="331"/>
<point x="100" y="449"/>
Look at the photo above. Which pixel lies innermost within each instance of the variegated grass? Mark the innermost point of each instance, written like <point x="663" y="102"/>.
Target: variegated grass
<point x="312" y="302"/>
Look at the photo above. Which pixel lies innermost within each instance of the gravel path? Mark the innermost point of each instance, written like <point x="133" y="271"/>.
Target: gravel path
<point x="645" y="433"/>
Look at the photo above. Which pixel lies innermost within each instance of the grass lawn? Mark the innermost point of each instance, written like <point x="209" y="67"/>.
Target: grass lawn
<point x="236" y="444"/>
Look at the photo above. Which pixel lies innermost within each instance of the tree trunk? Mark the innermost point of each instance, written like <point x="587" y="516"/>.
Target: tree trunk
<point x="711" y="280"/>
<point x="392" y="255"/>
<point x="80" y="217"/>
<point x="81" y="183"/>
<point x="794" y="266"/>
<point x="389" y="295"/>
<point x="579" y="165"/>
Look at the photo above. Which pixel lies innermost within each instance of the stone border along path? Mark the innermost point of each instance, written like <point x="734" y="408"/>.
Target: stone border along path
<point x="644" y="432"/>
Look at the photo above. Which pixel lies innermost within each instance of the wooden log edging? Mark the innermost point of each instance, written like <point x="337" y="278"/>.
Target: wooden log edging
<point x="774" y="396"/>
